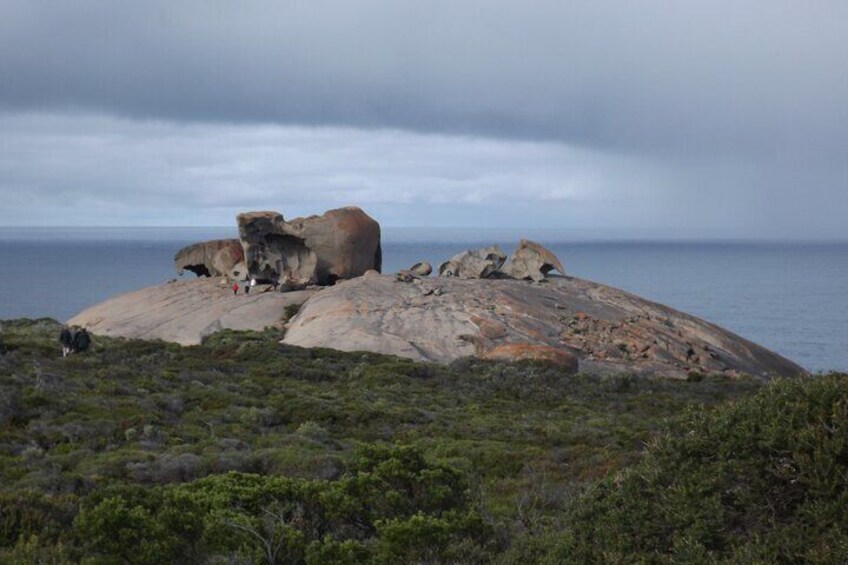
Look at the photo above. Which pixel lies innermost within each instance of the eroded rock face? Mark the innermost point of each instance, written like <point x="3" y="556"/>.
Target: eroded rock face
<point x="532" y="261"/>
<point x="219" y="257"/>
<point x="606" y="329"/>
<point x="477" y="264"/>
<point x="340" y="244"/>
<point x="272" y="254"/>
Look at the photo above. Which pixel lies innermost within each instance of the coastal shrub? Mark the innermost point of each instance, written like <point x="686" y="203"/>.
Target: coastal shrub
<point x="290" y="311"/>
<point x="760" y="480"/>
<point x="390" y="497"/>
<point x="494" y="453"/>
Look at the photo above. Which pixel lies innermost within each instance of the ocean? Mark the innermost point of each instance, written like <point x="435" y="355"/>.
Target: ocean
<point x="791" y="297"/>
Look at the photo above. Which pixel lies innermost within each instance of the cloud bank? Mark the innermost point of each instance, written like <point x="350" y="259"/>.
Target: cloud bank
<point x="721" y="115"/>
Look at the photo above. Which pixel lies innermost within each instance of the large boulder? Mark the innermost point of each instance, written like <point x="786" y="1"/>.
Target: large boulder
<point x="219" y="257"/>
<point x="272" y="254"/>
<point x="532" y="261"/>
<point x="339" y="244"/>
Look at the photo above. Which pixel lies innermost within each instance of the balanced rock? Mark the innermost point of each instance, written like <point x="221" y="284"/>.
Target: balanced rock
<point x="532" y="261"/>
<point x="478" y="264"/>
<point x="340" y="244"/>
<point x="271" y="254"/>
<point x="219" y="257"/>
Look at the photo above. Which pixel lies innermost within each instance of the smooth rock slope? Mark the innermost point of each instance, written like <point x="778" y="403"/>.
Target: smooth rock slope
<point x="569" y="321"/>
<point x="186" y="311"/>
<point x="444" y="319"/>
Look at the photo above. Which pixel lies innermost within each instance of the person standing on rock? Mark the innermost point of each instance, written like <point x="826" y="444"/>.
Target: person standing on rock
<point x="67" y="341"/>
<point x="235" y="288"/>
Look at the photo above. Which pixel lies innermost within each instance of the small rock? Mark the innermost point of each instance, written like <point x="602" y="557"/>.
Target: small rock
<point x="405" y="276"/>
<point x="422" y="269"/>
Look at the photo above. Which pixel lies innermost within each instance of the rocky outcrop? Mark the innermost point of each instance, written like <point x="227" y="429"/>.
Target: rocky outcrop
<point x="477" y="264"/>
<point x="219" y="257"/>
<point x="529" y="352"/>
<point x="532" y="261"/>
<point x="340" y="244"/>
<point x="186" y="311"/>
<point x="606" y="329"/>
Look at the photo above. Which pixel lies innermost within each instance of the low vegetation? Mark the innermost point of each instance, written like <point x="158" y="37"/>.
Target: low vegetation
<point x="242" y="450"/>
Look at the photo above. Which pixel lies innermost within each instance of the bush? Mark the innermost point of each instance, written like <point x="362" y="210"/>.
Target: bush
<point x="391" y="496"/>
<point x="762" y="480"/>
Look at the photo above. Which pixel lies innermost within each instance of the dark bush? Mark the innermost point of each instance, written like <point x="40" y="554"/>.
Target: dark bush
<point x="762" y="480"/>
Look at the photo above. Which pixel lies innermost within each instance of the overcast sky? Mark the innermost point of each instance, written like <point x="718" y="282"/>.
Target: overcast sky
<point x="716" y="118"/>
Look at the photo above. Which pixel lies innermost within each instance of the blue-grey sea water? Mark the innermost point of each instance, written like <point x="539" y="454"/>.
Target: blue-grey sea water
<point x="791" y="297"/>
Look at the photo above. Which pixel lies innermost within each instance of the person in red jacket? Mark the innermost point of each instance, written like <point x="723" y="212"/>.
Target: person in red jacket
<point x="235" y="288"/>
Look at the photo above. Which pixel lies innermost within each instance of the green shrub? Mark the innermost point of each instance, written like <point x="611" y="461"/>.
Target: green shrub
<point x="761" y="480"/>
<point x="390" y="496"/>
<point x="485" y="458"/>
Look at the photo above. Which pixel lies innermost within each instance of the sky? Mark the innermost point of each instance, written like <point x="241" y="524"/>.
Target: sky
<point x="710" y="118"/>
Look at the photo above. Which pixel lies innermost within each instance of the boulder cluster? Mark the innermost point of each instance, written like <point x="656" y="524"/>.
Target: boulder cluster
<point x="530" y="261"/>
<point x="295" y="254"/>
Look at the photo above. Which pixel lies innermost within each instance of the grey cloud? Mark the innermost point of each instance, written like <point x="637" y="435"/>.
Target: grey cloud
<point x="677" y="78"/>
<point x="60" y="169"/>
<point x="722" y="115"/>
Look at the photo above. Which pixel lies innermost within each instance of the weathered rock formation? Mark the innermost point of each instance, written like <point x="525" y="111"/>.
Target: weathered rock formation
<point x="532" y="261"/>
<point x="477" y="264"/>
<point x="219" y="257"/>
<point x="186" y="311"/>
<point x="606" y="329"/>
<point x="340" y="244"/>
<point x="271" y="254"/>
